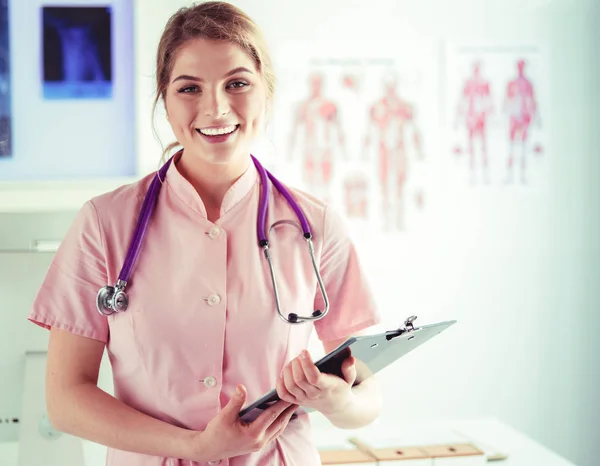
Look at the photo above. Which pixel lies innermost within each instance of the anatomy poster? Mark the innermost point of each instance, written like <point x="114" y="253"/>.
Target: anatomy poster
<point x="354" y="125"/>
<point x="5" y="100"/>
<point x="496" y="112"/>
<point x="77" y="52"/>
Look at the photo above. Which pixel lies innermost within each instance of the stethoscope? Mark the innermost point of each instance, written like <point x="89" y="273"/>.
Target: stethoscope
<point x="112" y="299"/>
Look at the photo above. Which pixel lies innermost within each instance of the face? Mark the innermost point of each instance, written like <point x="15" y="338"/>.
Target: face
<point x="215" y="101"/>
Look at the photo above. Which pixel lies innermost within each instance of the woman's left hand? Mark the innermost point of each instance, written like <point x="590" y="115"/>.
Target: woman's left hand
<point x="301" y="383"/>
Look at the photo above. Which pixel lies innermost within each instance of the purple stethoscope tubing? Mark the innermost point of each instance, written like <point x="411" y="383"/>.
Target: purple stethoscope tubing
<point x="112" y="299"/>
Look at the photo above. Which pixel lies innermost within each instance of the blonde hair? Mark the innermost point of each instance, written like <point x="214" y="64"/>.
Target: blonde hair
<point x="214" y="20"/>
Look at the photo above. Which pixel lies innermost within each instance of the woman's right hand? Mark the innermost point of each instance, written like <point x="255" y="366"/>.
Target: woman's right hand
<point x="226" y="435"/>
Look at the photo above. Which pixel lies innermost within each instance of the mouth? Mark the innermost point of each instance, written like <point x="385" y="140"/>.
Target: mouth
<point x="220" y="131"/>
<point x="217" y="135"/>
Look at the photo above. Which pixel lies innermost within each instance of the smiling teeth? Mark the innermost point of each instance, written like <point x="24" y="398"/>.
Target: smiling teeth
<point x="218" y="131"/>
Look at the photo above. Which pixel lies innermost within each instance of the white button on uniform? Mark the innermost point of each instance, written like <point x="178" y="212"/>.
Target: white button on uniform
<point x="210" y="382"/>
<point x="213" y="299"/>
<point x="214" y="232"/>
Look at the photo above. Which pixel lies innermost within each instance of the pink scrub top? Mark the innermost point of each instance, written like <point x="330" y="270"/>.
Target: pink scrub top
<point x="202" y="315"/>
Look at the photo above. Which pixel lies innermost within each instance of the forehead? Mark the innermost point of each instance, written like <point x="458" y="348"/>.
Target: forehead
<point x="209" y="59"/>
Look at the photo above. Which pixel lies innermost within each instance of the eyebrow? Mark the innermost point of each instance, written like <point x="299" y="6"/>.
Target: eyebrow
<point x="239" y="69"/>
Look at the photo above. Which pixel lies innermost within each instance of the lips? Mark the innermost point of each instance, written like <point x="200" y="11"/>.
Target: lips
<point x="220" y="131"/>
<point x="217" y="135"/>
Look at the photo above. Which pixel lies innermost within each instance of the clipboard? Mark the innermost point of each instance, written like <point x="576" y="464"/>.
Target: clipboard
<point x="372" y="353"/>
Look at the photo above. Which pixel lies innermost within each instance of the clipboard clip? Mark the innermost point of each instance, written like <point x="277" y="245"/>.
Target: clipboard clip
<point x="408" y="324"/>
<point x="408" y="327"/>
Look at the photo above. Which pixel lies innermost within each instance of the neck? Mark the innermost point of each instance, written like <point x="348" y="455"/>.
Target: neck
<point x="211" y="181"/>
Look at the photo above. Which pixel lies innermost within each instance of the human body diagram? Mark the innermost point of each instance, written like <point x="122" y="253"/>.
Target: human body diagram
<point x="496" y="112"/>
<point x="317" y="117"/>
<point x="521" y="108"/>
<point x="391" y="122"/>
<point x="474" y="107"/>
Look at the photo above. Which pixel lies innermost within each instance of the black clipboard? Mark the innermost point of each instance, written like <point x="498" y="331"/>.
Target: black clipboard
<point x="372" y="352"/>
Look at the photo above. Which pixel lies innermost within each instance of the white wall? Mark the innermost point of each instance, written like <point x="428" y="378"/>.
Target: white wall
<point x="520" y="273"/>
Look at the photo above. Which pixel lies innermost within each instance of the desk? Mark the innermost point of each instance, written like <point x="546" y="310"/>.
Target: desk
<point x="490" y="435"/>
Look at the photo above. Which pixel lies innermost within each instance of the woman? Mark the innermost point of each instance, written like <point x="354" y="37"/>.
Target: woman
<point x="201" y="336"/>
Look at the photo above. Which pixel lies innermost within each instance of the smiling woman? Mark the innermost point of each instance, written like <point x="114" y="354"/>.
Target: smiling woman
<point x="201" y="322"/>
<point x="215" y="78"/>
<point x="215" y="102"/>
<point x="213" y="22"/>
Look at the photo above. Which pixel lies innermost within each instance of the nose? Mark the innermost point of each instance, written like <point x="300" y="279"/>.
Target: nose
<point x="215" y="104"/>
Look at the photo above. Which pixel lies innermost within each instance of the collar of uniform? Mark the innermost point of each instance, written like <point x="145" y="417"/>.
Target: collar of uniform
<point x="184" y="190"/>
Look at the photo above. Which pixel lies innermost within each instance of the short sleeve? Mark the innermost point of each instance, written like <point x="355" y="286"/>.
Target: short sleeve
<point x="352" y="306"/>
<point x="67" y="296"/>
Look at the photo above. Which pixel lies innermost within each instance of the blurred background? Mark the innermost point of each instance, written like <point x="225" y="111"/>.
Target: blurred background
<point x="459" y="138"/>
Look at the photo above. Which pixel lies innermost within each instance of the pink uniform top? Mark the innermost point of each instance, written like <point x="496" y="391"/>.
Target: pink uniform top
<point x="202" y="315"/>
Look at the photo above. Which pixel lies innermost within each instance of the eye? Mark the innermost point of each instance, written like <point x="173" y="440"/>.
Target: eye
<point x="188" y="89"/>
<point x="237" y="84"/>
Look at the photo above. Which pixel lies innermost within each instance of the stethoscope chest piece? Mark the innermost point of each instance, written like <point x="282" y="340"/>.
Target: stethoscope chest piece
<point x="111" y="299"/>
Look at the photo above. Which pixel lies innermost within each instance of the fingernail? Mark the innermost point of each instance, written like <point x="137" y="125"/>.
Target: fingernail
<point x="303" y="354"/>
<point x="238" y="391"/>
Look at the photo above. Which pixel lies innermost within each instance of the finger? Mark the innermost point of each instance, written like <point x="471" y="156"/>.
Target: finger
<point x="268" y="416"/>
<point x="283" y="392"/>
<point x="278" y="425"/>
<point x="290" y="383"/>
<point x="277" y="433"/>
<point x="275" y="429"/>
<point x="284" y="424"/>
<point x="273" y="436"/>
<point x="349" y="370"/>
<point x="311" y="371"/>
<point x="235" y="404"/>
<point x="301" y="381"/>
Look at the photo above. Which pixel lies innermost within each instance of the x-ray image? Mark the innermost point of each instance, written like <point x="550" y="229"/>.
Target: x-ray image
<point x="77" y="52"/>
<point x="5" y="114"/>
